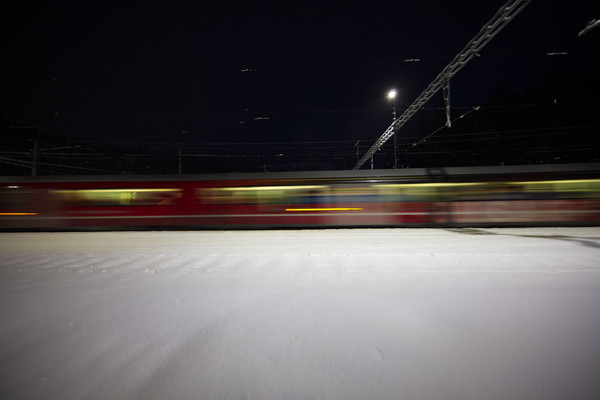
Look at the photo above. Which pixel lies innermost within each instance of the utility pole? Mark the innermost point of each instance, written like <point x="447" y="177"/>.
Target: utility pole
<point x="35" y="159"/>
<point x="180" y="159"/>
<point x="392" y="96"/>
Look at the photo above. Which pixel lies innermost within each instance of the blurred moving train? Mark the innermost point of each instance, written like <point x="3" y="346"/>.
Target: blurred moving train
<point x="565" y="194"/>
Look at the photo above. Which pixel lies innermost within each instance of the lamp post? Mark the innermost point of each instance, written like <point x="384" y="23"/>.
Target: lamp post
<point x="392" y="96"/>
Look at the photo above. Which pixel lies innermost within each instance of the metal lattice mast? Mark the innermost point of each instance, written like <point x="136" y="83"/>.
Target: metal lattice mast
<point x="504" y="15"/>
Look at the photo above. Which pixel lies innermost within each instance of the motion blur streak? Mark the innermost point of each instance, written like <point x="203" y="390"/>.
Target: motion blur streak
<point x="564" y="194"/>
<point x="325" y="209"/>
<point x="18" y="213"/>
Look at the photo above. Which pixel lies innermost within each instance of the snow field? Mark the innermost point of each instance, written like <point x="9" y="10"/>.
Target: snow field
<point x="325" y="314"/>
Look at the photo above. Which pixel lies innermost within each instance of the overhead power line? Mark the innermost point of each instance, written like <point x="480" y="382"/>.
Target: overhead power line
<point x="504" y="15"/>
<point x="444" y="126"/>
<point x="591" y="25"/>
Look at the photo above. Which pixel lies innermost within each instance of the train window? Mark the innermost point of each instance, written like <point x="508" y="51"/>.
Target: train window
<point x="580" y="188"/>
<point x="16" y="201"/>
<point x="258" y="194"/>
<point x="430" y="191"/>
<point x="117" y="197"/>
<point x="355" y="194"/>
<point x="11" y="198"/>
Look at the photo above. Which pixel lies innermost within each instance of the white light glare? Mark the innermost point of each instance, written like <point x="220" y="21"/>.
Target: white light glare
<point x="392" y="94"/>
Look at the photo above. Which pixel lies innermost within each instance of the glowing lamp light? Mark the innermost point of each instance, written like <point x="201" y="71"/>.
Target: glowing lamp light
<point x="392" y="94"/>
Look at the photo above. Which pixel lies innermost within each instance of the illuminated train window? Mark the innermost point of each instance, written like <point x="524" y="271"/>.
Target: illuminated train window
<point x="435" y="191"/>
<point x="579" y="188"/>
<point x="118" y="197"/>
<point x="260" y="194"/>
<point x="582" y="188"/>
<point x="355" y="194"/>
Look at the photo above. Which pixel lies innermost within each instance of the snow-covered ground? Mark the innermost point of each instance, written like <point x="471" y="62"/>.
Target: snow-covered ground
<point x="301" y="314"/>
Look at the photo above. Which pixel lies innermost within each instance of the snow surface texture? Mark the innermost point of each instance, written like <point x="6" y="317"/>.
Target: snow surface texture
<point x="301" y="314"/>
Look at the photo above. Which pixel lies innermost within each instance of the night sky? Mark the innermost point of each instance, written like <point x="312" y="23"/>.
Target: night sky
<point x="196" y="72"/>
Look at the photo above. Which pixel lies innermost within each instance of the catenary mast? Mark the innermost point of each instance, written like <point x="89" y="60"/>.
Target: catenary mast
<point x="504" y="15"/>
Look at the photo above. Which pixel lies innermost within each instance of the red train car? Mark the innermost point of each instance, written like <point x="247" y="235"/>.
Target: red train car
<point x="566" y="194"/>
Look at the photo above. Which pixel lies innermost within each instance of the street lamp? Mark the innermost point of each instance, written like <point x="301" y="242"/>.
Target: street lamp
<point x="392" y="96"/>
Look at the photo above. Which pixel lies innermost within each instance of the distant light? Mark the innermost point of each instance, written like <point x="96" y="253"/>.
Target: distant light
<point x="392" y="94"/>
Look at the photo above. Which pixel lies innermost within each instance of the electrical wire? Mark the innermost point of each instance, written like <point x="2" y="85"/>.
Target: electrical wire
<point x="444" y="126"/>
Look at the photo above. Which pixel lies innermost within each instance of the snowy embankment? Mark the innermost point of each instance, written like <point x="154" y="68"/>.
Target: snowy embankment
<point x="326" y="314"/>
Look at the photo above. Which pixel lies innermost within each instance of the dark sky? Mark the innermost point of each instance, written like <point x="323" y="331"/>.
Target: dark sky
<point x="192" y="71"/>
